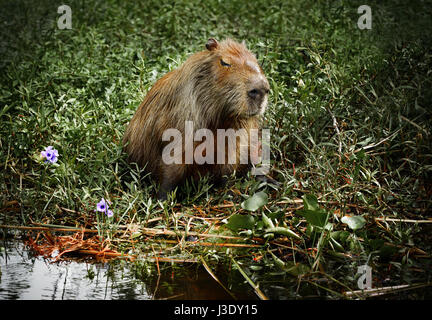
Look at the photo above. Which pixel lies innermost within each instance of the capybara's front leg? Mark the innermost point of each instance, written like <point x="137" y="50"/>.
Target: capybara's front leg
<point x="170" y="177"/>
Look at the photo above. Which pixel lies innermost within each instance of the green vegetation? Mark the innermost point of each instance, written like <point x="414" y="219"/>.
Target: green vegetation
<point x="350" y="119"/>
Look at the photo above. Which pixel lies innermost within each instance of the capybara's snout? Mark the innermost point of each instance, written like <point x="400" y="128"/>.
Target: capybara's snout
<point x="257" y="92"/>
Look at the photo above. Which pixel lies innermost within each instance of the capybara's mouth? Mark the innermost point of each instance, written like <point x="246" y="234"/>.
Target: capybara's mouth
<point x="254" y="113"/>
<point x="257" y="108"/>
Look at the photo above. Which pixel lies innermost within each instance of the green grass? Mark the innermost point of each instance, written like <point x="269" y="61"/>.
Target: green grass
<point x="349" y="114"/>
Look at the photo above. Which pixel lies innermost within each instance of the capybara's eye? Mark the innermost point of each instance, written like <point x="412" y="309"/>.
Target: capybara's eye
<point x="224" y="64"/>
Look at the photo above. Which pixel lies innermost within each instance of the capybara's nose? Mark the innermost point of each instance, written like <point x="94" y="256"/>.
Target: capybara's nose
<point x="259" y="90"/>
<point x="258" y="93"/>
<point x="255" y="93"/>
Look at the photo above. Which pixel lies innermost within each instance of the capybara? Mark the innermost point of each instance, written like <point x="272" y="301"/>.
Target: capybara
<point x="222" y="87"/>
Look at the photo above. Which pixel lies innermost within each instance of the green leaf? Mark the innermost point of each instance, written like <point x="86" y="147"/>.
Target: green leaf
<point x="135" y="235"/>
<point x="255" y="268"/>
<point x="354" y="222"/>
<point x="310" y="202"/>
<point x="340" y="235"/>
<point x="283" y="231"/>
<point x="337" y="245"/>
<point x="312" y="212"/>
<point x="255" y="202"/>
<point x="316" y="218"/>
<point x="239" y="221"/>
<point x="279" y="214"/>
<point x="290" y="267"/>
<point x="267" y="221"/>
<point x="277" y="261"/>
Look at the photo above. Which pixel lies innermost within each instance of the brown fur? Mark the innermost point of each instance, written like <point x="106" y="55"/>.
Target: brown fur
<point x="203" y="90"/>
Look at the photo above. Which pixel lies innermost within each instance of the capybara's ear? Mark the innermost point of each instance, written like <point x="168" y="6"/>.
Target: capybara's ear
<point x="211" y="44"/>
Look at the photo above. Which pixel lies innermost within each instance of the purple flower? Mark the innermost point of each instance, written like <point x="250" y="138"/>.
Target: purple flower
<point x="102" y="206"/>
<point x="109" y="213"/>
<point x="50" y="154"/>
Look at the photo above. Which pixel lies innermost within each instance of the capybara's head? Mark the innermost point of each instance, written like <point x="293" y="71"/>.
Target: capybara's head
<point x="239" y="78"/>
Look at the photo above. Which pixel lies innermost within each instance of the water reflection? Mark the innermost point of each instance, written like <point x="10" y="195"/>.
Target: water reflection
<point x="26" y="277"/>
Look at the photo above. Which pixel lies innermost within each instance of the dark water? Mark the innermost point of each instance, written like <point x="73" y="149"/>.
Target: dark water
<point x="26" y="277"/>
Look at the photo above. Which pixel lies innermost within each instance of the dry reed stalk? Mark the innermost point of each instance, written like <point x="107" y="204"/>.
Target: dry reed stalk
<point x="133" y="257"/>
<point x="403" y="220"/>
